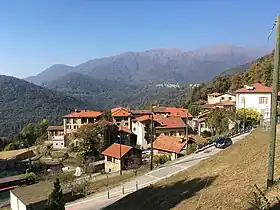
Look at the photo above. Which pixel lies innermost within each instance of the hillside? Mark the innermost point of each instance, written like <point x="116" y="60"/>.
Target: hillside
<point x="23" y="102"/>
<point x="159" y="65"/>
<point x="237" y="69"/>
<point x="104" y="93"/>
<point x="224" y="181"/>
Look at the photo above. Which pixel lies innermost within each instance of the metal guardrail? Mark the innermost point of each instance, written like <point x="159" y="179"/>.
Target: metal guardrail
<point x="207" y="145"/>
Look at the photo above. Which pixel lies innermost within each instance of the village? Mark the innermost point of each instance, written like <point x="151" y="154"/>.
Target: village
<point x="136" y="141"/>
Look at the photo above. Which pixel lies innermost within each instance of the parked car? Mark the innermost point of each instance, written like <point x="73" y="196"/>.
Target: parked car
<point x="223" y="142"/>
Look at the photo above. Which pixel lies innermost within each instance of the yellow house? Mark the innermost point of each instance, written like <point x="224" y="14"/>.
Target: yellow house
<point x="76" y="119"/>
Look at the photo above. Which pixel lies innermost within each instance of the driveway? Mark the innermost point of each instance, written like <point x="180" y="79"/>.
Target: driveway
<point x="100" y="200"/>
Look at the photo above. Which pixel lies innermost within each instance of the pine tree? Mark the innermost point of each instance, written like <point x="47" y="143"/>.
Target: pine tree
<point x="56" y="199"/>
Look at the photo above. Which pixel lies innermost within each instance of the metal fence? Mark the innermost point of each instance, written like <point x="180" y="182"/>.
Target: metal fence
<point x="205" y="145"/>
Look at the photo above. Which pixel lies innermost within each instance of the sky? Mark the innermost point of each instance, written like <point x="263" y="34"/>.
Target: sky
<point x="37" y="34"/>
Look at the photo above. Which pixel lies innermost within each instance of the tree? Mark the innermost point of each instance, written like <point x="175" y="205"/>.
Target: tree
<point x="56" y="198"/>
<point x="148" y="133"/>
<point x="252" y="116"/>
<point x="107" y="114"/>
<point x="33" y="132"/>
<point x="195" y="110"/>
<point x="92" y="139"/>
<point x="218" y="120"/>
<point x="29" y="134"/>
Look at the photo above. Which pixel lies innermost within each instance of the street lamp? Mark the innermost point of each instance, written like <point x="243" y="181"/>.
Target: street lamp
<point x="120" y="141"/>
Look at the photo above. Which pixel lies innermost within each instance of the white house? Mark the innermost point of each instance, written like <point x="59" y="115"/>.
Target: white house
<point x="138" y="127"/>
<point x="256" y="96"/>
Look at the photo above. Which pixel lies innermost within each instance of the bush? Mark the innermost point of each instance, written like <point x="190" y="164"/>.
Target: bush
<point x="10" y="146"/>
<point x="206" y="134"/>
<point x="161" y="159"/>
<point x="29" y="178"/>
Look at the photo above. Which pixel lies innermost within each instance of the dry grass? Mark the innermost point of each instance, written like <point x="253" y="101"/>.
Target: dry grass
<point x="224" y="181"/>
<point x="12" y="153"/>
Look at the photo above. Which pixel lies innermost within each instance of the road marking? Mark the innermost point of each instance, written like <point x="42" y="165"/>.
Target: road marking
<point x="154" y="177"/>
<point x="179" y="166"/>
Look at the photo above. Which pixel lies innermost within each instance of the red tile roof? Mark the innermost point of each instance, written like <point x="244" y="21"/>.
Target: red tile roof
<point x="120" y="112"/>
<point x="125" y="129"/>
<point x="214" y="94"/>
<point x="169" y="143"/>
<point x="169" y="122"/>
<point x="174" y="111"/>
<point x="141" y="112"/>
<point x="226" y="103"/>
<point x="104" y="122"/>
<point x="257" y="88"/>
<point x="83" y="114"/>
<point x="55" y="128"/>
<point x="143" y="118"/>
<point x="208" y="106"/>
<point x="114" y="150"/>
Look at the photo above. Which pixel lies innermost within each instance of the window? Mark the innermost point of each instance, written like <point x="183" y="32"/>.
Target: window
<point x="118" y="123"/>
<point x="68" y="121"/>
<point x="84" y="120"/>
<point x="118" y="120"/>
<point x="202" y="125"/>
<point x="263" y="100"/>
<point x="61" y="143"/>
<point x="223" y="98"/>
<point x="109" y="159"/>
<point x="166" y="134"/>
<point x="180" y="133"/>
<point x="75" y="121"/>
<point x="171" y="133"/>
<point x="126" y="124"/>
<point x="230" y="98"/>
<point x="68" y="127"/>
<point x="242" y="99"/>
<point x="56" y="143"/>
<point x="75" y="127"/>
<point x="134" y="129"/>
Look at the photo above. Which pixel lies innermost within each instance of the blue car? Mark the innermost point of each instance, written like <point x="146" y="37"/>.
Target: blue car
<point x="223" y="142"/>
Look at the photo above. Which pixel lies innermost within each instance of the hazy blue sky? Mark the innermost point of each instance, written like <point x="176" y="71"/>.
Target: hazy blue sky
<point x="36" y="34"/>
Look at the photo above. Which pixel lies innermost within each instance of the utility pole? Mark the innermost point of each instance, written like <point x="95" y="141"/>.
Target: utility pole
<point x="120" y="138"/>
<point x="152" y="139"/>
<point x="187" y="125"/>
<point x="274" y="97"/>
<point x="244" y="113"/>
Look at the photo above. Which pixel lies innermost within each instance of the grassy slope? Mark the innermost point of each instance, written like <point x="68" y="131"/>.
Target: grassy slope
<point x="224" y="181"/>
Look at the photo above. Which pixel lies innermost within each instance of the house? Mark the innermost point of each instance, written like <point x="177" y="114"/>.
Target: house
<point x="34" y="196"/>
<point x="139" y="126"/>
<point x="119" y="156"/>
<point x="169" y="145"/>
<point x="226" y="100"/>
<point x="170" y="126"/>
<point x="202" y="122"/>
<point x="121" y="116"/>
<point x="141" y="112"/>
<point x="55" y="131"/>
<point x="126" y="136"/>
<point x="76" y="119"/>
<point x="58" y="142"/>
<point x="256" y="96"/>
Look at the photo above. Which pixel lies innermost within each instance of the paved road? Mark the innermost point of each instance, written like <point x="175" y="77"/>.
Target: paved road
<point x="100" y="200"/>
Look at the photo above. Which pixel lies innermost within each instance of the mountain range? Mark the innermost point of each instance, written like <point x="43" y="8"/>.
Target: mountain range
<point x="128" y="80"/>
<point x="157" y="66"/>
<point x="23" y="102"/>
